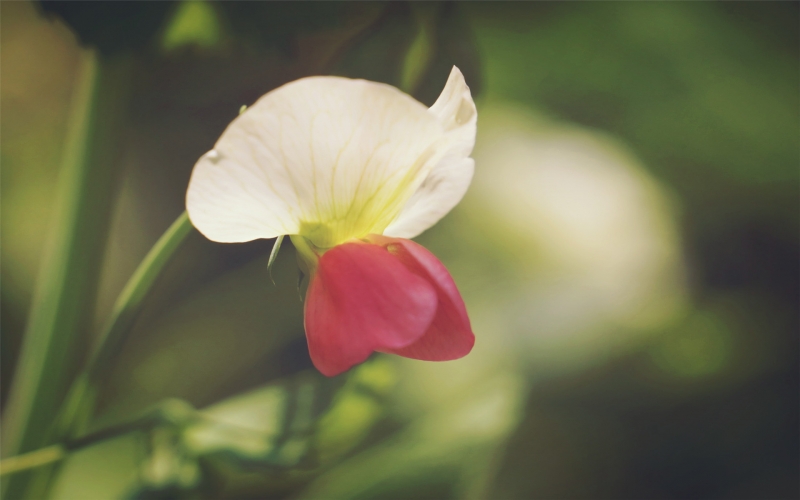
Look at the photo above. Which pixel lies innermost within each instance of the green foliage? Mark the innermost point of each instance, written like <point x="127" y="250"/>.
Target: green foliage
<point x="705" y="94"/>
<point x="65" y="292"/>
<point x="194" y="23"/>
<point x="678" y="80"/>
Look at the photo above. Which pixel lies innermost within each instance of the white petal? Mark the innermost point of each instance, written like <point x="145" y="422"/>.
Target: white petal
<point x="447" y="182"/>
<point x="325" y="157"/>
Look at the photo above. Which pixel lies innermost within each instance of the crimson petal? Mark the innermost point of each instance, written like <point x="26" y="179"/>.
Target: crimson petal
<point x="363" y="299"/>
<point x="450" y="335"/>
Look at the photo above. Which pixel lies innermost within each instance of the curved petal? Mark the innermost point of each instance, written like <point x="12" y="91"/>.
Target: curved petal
<point x="449" y="335"/>
<point x="439" y="193"/>
<point x="448" y="181"/>
<point x="326" y="157"/>
<point x="362" y="299"/>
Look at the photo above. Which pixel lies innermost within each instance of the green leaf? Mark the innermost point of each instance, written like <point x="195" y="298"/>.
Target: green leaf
<point x="193" y="23"/>
<point x="65" y="292"/>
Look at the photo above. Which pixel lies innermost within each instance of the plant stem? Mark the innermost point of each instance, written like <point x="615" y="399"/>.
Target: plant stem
<point x="79" y="403"/>
<point x="170" y="411"/>
<point x="32" y="460"/>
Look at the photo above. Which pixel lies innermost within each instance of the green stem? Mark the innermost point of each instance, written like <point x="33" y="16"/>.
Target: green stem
<point x="79" y="403"/>
<point x="33" y="459"/>
<point x="130" y="300"/>
<point x="173" y="412"/>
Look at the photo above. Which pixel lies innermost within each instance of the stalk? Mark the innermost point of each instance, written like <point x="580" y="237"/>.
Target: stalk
<point x="79" y="404"/>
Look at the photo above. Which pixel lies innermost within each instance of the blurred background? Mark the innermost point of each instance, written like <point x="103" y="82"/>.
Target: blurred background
<point x="628" y="252"/>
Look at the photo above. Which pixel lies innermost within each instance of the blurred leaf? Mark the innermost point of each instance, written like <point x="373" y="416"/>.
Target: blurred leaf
<point x="357" y="407"/>
<point x="446" y="453"/>
<point x="112" y="27"/>
<point x="194" y="22"/>
<point x="247" y="425"/>
<point x="282" y="433"/>
<point x="168" y="464"/>
<point x="267" y="427"/>
<point x="66" y="288"/>
<point x="107" y="470"/>
<point x="680" y="82"/>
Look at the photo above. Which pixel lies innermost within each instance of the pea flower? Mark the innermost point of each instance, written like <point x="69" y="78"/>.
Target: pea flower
<point x="351" y="170"/>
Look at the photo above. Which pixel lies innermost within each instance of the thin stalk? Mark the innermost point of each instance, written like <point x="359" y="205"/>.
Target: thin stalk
<point x="79" y="403"/>
<point x="32" y="460"/>
<point x="173" y="412"/>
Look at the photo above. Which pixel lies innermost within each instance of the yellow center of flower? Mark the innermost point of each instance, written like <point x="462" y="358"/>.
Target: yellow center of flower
<point x="369" y="211"/>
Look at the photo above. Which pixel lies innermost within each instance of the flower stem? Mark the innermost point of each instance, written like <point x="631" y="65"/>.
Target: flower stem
<point x="79" y="403"/>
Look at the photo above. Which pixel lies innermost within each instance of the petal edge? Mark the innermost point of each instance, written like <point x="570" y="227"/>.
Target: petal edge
<point x="448" y="181"/>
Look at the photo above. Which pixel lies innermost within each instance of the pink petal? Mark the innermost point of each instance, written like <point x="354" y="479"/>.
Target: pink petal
<point x="363" y="299"/>
<point x="450" y="334"/>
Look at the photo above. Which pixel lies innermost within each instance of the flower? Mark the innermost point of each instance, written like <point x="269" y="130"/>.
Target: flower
<point x="350" y="169"/>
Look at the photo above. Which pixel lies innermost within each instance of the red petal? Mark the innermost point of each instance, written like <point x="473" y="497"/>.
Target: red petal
<point x="363" y="299"/>
<point x="450" y="334"/>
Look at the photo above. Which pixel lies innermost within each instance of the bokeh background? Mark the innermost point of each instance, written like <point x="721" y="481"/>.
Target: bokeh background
<point x="628" y="252"/>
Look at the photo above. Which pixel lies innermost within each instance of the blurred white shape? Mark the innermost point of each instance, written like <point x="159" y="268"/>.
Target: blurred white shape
<point x="596" y="254"/>
<point x="568" y="255"/>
